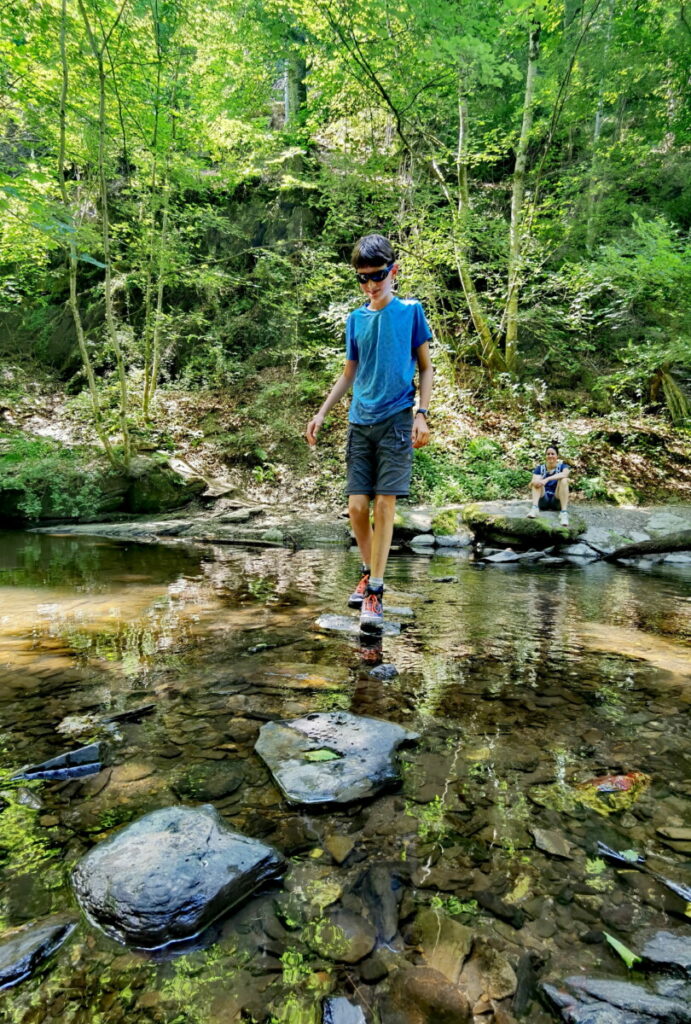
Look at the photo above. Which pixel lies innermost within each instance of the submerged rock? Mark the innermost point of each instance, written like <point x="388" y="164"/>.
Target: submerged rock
<point x="551" y="842"/>
<point x="168" y="875"/>
<point x="634" y="998"/>
<point x="72" y="765"/>
<point x="445" y="943"/>
<point x="24" y="950"/>
<point x="342" y="936"/>
<point x="334" y="757"/>
<point x="420" y="995"/>
<point x="667" y="950"/>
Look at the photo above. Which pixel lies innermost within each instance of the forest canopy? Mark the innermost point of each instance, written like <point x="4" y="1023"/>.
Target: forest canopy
<point x="181" y="184"/>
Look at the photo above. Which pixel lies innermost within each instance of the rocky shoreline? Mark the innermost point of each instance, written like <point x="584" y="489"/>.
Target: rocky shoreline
<point x="495" y="532"/>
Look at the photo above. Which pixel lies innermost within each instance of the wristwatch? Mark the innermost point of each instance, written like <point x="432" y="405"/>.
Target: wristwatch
<point x="425" y="412"/>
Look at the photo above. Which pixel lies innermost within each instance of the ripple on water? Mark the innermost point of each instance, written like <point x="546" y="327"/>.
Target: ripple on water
<point x="522" y="685"/>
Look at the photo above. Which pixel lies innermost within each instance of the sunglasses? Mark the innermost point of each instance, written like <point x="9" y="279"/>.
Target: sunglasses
<point x="375" y="275"/>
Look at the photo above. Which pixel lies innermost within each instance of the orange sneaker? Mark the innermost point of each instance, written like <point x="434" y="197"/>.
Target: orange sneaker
<point x="372" y="614"/>
<point x="357" y="597"/>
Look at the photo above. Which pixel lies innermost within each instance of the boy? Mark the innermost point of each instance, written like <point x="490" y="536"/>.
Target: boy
<point x="386" y="339"/>
<point x="550" y="487"/>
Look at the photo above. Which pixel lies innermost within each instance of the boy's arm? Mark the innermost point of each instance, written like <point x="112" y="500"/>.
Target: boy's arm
<point x="420" y="427"/>
<point x="342" y="385"/>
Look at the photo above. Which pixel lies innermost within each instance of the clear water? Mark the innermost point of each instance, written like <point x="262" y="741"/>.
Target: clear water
<point x="521" y="681"/>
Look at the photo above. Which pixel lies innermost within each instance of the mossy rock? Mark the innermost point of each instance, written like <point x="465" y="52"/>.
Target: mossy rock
<point x="445" y="522"/>
<point x="154" y="487"/>
<point x="519" y="531"/>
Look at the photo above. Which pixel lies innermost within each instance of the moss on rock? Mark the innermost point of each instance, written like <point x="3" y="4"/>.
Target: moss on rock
<point x="520" y="531"/>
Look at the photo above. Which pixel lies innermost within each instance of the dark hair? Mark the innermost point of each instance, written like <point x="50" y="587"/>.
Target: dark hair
<point x="372" y="251"/>
<point x="551" y="446"/>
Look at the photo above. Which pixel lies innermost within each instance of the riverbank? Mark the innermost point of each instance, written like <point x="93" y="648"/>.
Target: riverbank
<point x="485" y="531"/>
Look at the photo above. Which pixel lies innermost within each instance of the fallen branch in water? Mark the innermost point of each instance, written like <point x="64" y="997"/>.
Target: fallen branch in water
<point x="680" y="541"/>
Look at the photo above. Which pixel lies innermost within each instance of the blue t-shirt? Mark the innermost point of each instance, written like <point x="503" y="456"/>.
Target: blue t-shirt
<point x="551" y="485"/>
<point x="384" y="343"/>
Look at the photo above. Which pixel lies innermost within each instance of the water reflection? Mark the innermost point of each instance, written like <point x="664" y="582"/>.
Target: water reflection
<point x="520" y="683"/>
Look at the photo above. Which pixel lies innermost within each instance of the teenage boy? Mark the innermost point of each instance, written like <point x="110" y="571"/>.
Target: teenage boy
<point x="549" y="487"/>
<point x="386" y="339"/>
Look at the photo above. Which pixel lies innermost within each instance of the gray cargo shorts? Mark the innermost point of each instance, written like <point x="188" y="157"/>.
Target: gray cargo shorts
<point x="379" y="456"/>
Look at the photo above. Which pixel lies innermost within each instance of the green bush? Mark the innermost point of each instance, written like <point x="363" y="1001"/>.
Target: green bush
<point x="46" y="479"/>
<point x="477" y="473"/>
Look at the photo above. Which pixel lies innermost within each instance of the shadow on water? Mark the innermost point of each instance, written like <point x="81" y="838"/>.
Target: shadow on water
<point x="521" y="682"/>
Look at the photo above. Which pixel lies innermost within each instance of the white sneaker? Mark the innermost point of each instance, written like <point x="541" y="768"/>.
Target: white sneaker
<point x="564" y="518"/>
<point x="534" y="512"/>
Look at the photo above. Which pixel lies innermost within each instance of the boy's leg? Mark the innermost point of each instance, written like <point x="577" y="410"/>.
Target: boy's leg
<point x="358" y="509"/>
<point x="384" y="514"/>
<point x="372" y="613"/>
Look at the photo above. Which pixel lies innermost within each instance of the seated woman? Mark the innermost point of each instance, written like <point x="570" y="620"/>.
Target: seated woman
<point x="550" y="487"/>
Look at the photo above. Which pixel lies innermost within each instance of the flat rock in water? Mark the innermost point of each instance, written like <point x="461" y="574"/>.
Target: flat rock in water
<point x="669" y="950"/>
<point x="339" y="1010"/>
<point x="580" y="550"/>
<point x="454" y="540"/>
<point x="502" y="556"/>
<point x="626" y="996"/>
<point x="551" y="842"/>
<point x="168" y="875"/>
<point x="423" y="540"/>
<point x="72" y="765"/>
<point x="334" y="757"/>
<point x="24" y="950"/>
<point x="347" y="624"/>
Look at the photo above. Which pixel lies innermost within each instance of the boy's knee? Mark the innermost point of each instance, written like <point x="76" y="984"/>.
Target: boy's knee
<point x="358" y="504"/>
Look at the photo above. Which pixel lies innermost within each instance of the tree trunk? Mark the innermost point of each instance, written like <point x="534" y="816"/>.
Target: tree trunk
<point x="517" y="200"/>
<point x="488" y="351"/>
<point x="72" y="253"/>
<point x="103" y="189"/>
<point x="594" y="191"/>
<point x="680" y="541"/>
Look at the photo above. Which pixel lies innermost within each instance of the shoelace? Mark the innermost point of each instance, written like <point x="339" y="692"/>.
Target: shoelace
<point x="362" y="585"/>
<point x="372" y="603"/>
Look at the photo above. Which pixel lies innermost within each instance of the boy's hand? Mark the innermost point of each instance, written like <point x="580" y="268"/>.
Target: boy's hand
<point x="313" y="428"/>
<point x="420" y="431"/>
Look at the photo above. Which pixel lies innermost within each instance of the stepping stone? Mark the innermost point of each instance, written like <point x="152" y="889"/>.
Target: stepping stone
<point x="168" y="875"/>
<point x="26" y="949"/>
<point x="331" y="758"/>
<point x="347" y="624"/>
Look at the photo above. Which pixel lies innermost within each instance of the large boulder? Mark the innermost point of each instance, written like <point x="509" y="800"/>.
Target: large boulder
<point x="331" y="758"/>
<point x="508" y="525"/>
<point x="155" y="487"/>
<point x="168" y="875"/>
<point x="23" y="951"/>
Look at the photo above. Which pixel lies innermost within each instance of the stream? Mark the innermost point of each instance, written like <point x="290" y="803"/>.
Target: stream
<point x="521" y="681"/>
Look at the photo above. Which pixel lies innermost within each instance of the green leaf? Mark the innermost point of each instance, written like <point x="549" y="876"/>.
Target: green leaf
<point x="629" y="957"/>
<point x="321" y="755"/>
